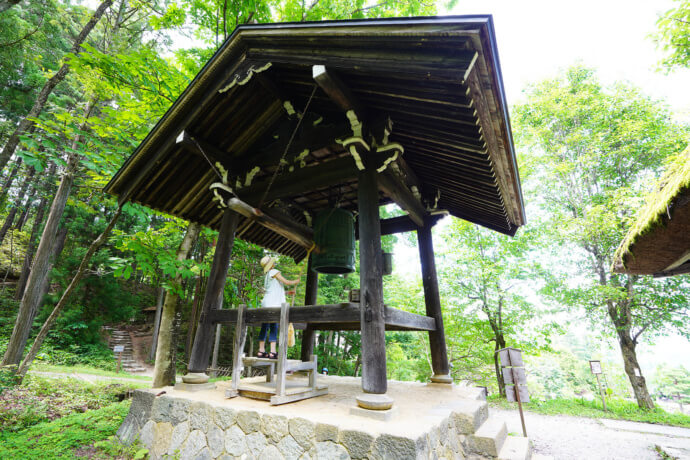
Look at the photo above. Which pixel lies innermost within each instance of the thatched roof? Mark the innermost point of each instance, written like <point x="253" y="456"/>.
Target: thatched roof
<point x="438" y="80"/>
<point x="658" y="243"/>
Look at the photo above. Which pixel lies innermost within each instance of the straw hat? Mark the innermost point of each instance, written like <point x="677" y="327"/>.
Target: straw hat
<point x="267" y="262"/>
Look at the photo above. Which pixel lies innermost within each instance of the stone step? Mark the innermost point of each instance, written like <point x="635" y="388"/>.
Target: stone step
<point x="516" y="448"/>
<point x="469" y="415"/>
<point x="489" y="438"/>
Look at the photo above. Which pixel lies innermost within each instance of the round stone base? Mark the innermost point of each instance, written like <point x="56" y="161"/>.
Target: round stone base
<point x="442" y="378"/>
<point x="195" y="377"/>
<point x="374" y="402"/>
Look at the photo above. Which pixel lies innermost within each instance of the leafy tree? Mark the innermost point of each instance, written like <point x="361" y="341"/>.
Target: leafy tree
<point x="673" y="36"/>
<point x="487" y="273"/>
<point x="592" y="147"/>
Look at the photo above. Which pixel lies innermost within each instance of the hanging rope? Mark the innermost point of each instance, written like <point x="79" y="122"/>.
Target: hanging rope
<point x="287" y="147"/>
<point x="203" y="154"/>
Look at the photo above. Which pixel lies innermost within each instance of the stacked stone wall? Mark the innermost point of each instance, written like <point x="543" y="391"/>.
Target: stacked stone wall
<point x="184" y="429"/>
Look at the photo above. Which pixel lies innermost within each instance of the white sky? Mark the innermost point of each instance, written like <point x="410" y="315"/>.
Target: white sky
<point x="537" y="38"/>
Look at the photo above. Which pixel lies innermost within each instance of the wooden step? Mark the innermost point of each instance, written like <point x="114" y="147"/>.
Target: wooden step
<point x="516" y="448"/>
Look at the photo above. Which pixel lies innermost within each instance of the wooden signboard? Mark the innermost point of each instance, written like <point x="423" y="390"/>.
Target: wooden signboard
<point x="514" y="378"/>
<point x="595" y="366"/>
<point x="510" y="393"/>
<point x="119" y="348"/>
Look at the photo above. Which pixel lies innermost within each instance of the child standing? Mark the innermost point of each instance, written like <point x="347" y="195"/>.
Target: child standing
<point x="274" y="297"/>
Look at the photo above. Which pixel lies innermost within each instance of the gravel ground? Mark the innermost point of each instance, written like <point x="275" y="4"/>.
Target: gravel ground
<point x="564" y="437"/>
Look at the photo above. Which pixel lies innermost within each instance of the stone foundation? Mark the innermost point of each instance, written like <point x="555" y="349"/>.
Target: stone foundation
<point x="431" y="422"/>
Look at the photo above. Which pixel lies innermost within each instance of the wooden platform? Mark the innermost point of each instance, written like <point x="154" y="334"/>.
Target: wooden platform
<point x="333" y="317"/>
<point x="295" y="389"/>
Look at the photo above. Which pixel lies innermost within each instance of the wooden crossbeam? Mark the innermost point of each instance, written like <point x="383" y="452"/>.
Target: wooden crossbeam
<point x="333" y="86"/>
<point x="344" y="314"/>
<point x="402" y="224"/>
<point x="282" y="225"/>
<point x="311" y="138"/>
<point x="397" y="190"/>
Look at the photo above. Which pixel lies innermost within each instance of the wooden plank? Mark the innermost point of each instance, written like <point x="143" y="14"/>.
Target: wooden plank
<point x="293" y="231"/>
<point x="281" y="367"/>
<point x="407" y="320"/>
<point x="432" y="299"/>
<point x="201" y="350"/>
<point x="238" y="348"/>
<point x="402" y="224"/>
<point x="298" y="396"/>
<point x="371" y="284"/>
<point x="310" y="292"/>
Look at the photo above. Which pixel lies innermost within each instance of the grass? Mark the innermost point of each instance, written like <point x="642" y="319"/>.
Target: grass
<point x="617" y="409"/>
<point x="87" y="434"/>
<point x="82" y="369"/>
<point x="42" y="399"/>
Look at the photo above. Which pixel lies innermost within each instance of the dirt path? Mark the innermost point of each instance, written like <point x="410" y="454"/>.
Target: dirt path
<point x="564" y="437"/>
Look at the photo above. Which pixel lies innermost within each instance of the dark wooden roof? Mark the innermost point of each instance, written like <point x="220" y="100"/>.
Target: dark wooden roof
<point x="437" y="79"/>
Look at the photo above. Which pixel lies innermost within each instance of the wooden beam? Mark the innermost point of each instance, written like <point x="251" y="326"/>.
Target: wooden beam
<point x="371" y="285"/>
<point x="345" y="315"/>
<point x="397" y="190"/>
<point x="333" y="86"/>
<point x="311" y="288"/>
<point x="311" y="138"/>
<point x="402" y="224"/>
<point x="432" y="299"/>
<point x="293" y="231"/>
<point x="201" y="350"/>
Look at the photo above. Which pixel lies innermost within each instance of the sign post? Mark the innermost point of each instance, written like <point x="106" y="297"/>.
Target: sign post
<point x="119" y="349"/>
<point x="595" y="366"/>
<point x="515" y="379"/>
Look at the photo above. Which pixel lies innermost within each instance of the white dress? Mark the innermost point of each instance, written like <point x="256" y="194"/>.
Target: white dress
<point x="275" y="293"/>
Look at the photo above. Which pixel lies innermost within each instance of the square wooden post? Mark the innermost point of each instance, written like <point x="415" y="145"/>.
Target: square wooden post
<point x="371" y="298"/>
<point x="311" y="290"/>
<point x="213" y="299"/>
<point x="432" y="299"/>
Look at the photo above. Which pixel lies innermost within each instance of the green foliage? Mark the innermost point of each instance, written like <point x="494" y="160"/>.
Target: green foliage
<point x="673" y="36"/>
<point x="597" y="147"/>
<point x="673" y="383"/>
<point x="617" y="409"/>
<point x="63" y="437"/>
<point x="41" y="399"/>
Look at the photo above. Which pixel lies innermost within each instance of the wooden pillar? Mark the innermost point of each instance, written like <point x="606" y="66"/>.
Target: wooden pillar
<point x="371" y="296"/>
<point x="203" y="339"/>
<point x="437" y="338"/>
<point x="310" y="293"/>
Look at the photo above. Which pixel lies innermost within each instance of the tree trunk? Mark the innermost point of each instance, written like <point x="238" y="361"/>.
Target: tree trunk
<point x="25" y="210"/>
<point x="38" y="220"/>
<point x="9" y="180"/>
<point x="164" y="366"/>
<point x="43" y="333"/>
<point x="40" y="268"/>
<point x="26" y="125"/>
<point x="157" y="323"/>
<point x="500" y="343"/>
<point x="632" y="368"/>
<point x="17" y="204"/>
